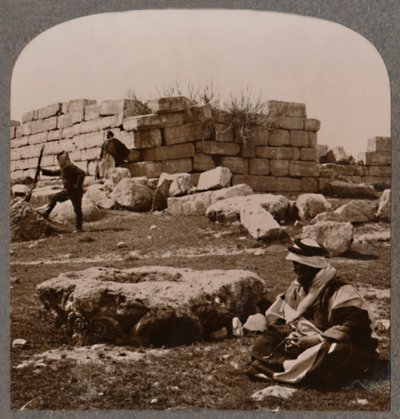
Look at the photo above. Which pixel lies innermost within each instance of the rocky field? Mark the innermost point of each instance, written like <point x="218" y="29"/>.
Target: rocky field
<point x="48" y="372"/>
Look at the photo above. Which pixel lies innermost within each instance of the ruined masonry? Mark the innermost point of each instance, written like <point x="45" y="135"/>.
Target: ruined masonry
<point x="181" y="136"/>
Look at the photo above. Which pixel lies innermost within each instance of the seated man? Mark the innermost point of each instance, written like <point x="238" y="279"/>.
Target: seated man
<point x="115" y="148"/>
<point x="320" y="330"/>
<point x="72" y="179"/>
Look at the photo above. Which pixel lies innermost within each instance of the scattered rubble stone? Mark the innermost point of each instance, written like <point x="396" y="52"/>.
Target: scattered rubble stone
<point x="357" y="211"/>
<point x="181" y="183"/>
<point x="26" y="223"/>
<point x="383" y="212"/>
<point x="337" y="237"/>
<point x="97" y="194"/>
<point x="217" y="178"/>
<point x="64" y="213"/>
<point x="311" y="204"/>
<point x="19" y="343"/>
<point x="260" y="223"/>
<point x="340" y="189"/>
<point x="133" y="195"/>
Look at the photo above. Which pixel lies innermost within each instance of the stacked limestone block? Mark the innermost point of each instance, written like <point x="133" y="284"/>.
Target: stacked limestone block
<point x="176" y="136"/>
<point x="166" y="138"/>
<point x="349" y="173"/>
<point x="280" y="157"/>
<point x="378" y="160"/>
<point x="77" y="126"/>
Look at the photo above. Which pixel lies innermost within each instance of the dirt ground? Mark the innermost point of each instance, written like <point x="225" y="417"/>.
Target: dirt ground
<point x="202" y="375"/>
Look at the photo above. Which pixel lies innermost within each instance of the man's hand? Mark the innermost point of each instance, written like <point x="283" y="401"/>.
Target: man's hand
<point x="308" y="341"/>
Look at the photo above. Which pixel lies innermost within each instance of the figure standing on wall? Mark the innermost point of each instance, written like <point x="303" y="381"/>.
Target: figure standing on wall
<point x="72" y="179"/>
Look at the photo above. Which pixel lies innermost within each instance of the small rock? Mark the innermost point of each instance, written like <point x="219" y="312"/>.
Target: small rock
<point x="259" y="252"/>
<point x="273" y="391"/>
<point x="154" y="401"/>
<point x="154" y="227"/>
<point x="237" y="327"/>
<point x="256" y="323"/>
<point x="362" y="402"/>
<point x="19" y="343"/>
<point x="149" y="237"/>
<point x="121" y="245"/>
<point x="14" y="280"/>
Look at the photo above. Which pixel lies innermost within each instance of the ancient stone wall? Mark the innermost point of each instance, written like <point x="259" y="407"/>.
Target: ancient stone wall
<point x="178" y="136"/>
<point x="181" y="136"/>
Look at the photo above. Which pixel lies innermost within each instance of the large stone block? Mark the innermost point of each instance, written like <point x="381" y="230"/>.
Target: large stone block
<point x="237" y="165"/>
<point x="77" y="104"/>
<point x="48" y="111"/>
<point x="29" y="116"/>
<point x="44" y="124"/>
<point x="178" y="151"/>
<point x="311" y="204"/>
<point x="94" y="139"/>
<point x="15" y="154"/>
<point x="384" y="212"/>
<point x="70" y="132"/>
<point x="312" y="139"/>
<point x="217" y="178"/>
<point x="259" y="223"/>
<point x="134" y="156"/>
<point x="98" y="124"/>
<point x="258" y="136"/>
<point x="18" y="131"/>
<point x="224" y="133"/>
<point x="12" y="133"/>
<point x="290" y="123"/>
<point x="53" y="147"/>
<point x="280" y="167"/>
<point x="257" y="183"/>
<point x="378" y="158"/>
<point x="153" y="121"/>
<point x="26" y="128"/>
<point x="170" y="104"/>
<point x="340" y="189"/>
<point x="195" y="204"/>
<point x="150" y="169"/>
<point x="91" y="112"/>
<point x="146" y="138"/>
<point x="77" y="116"/>
<point x="203" y="162"/>
<point x="39" y="138"/>
<point x="19" y="142"/>
<point x="279" y="137"/>
<point x="286" y="108"/>
<point x="287" y="184"/>
<point x="156" y="305"/>
<point x="278" y="153"/>
<point x="30" y="151"/>
<point x="54" y="135"/>
<point x="379" y="180"/>
<point x="379" y="144"/>
<point x="322" y="151"/>
<point x="181" y="183"/>
<point x="90" y="153"/>
<point x="215" y="147"/>
<point x="335" y="236"/>
<point x="309" y="184"/>
<point x="248" y="151"/>
<point x="177" y="165"/>
<point x="303" y="169"/>
<point x="132" y="195"/>
<point x="357" y="211"/>
<point x="64" y="121"/>
<point x="307" y="153"/>
<point x="185" y="133"/>
<point x="259" y="167"/>
<point x="379" y="171"/>
<point x="228" y="209"/>
<point x="299" y="138"/>
<point x="312" y="125"/>
<point x="198" y="113"/>
<point x="30" y="163"/>
<point x="295" y="153"/>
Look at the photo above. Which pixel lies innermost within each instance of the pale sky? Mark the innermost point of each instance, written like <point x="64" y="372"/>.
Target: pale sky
<point x="337" y="73"/>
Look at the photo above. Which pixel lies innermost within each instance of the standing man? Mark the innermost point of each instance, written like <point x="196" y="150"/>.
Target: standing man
<point x="320" y="330"/>
<point x="72" y="179"/>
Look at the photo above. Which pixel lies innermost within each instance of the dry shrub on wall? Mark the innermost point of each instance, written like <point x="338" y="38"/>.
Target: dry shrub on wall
<point x="138" y="107"/>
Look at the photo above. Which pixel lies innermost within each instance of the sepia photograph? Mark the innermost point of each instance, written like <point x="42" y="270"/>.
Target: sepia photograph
<point x="200" y="215"/>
